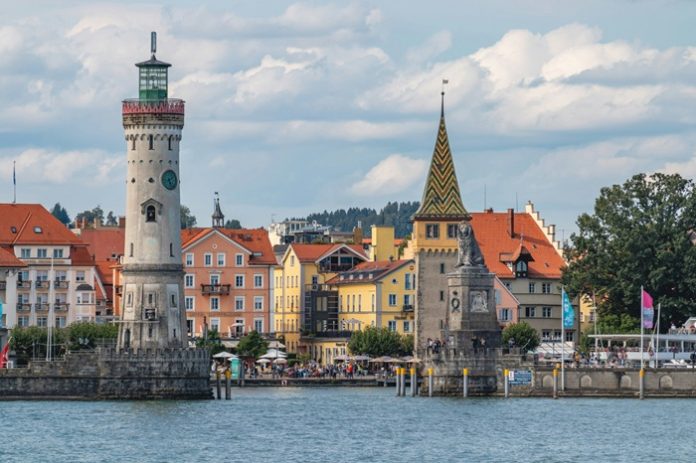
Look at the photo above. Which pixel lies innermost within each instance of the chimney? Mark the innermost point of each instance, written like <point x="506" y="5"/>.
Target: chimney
<point x="122" y="222"/>
<point x="97" y="222"/>
<point x="511" y="223"/>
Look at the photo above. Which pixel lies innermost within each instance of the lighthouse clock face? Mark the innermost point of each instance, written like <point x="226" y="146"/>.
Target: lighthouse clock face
<point x="169" y="180"/>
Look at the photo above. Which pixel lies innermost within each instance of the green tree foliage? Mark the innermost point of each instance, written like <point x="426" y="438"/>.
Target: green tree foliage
<point x="212" y="343"/>
<point x="377" y="342"/>
<point x="233" y="224"/>
<point x="395" y="214"/>
<point x="111" y="219"/>
<point x="188" y="220"/>
<point x="252" y="345"/>
<point x="641" y="233"/>
<point x="90" y="216"/>
<point x="523" y="335"/>
<point x="30" y="342"/>
<point x="61" y="214"/>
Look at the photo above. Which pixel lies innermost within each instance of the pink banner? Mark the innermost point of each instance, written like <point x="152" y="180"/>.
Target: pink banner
<point x="647" y="311"/>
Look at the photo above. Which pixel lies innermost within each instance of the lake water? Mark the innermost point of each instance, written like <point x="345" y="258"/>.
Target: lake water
<point x="349" y="425"/>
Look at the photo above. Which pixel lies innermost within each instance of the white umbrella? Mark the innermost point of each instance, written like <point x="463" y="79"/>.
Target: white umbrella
<point x="276" y="345"/>
<point x="280" y="360"/>
<point x="274" y="354"/>
<point x="224" y="355"/>
<point x="263" y="361"/>
<point x="342" y="358"/>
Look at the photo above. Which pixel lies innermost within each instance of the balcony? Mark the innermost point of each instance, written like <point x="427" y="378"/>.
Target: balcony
<point x="215" y="289"/>
<point x="408" y="308"/>
<point x="328" y="334"/>
<point x="62" y="284"/>
<point x="61" y="306"/>
<point x="45" y="284"/>
<point x="23" y="284"/>
<point x="335" y="268"/>
<point x="23" y="307"/>
<point x="165" y="106"/>
<point x="319" y="287"/>
<point x="41" y="306"/>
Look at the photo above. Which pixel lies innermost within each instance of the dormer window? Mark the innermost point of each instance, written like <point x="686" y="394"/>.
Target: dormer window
<point x="521" y="269"/>
<point x="38" y="229"/>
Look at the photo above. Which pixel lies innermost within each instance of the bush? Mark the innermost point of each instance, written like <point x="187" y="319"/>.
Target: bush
<point x="523" y="336"/>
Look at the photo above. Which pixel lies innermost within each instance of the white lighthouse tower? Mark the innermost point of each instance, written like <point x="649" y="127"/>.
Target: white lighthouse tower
<point x="152" y="310"/>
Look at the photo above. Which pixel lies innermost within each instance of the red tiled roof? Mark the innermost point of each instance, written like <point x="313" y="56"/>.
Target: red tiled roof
<point x="104" y="243"/>
<point x="312" y="252"/>
<point x="498" y="247"/>
<point x="79" y="255"/>
<point x="255" y="240"/>
<point x="26" y="220"/>
<point x="8" y="259"/>
<point x="378" y="269"/>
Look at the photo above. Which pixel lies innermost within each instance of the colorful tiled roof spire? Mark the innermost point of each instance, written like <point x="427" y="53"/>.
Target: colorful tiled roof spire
<point x="441" y="197"/>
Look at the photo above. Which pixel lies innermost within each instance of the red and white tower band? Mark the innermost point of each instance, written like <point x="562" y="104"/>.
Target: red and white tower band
<point x="152" y="305"/>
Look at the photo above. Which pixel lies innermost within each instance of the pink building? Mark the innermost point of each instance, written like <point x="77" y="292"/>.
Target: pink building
<point x="228" y="280"/>
<point x="506" y="304"/>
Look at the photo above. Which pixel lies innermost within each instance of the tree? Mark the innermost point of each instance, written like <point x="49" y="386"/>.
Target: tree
<point x="88" y="335"/>
<point x="212" y="342"/>
<point x="640" y="234"/>
<point x="376" y="342"/>
<point x="188" y="220"/>
<point x="111" y="220"/>
<point x="523" y="336"/>
<point x="233" y="224"/>
<point x="96" y="214"/>
<point x="252" y="345"/>
<point x="61" y="214"/>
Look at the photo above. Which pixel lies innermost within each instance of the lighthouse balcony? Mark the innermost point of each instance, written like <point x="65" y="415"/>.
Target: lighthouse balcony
<point x="137" y="106"/>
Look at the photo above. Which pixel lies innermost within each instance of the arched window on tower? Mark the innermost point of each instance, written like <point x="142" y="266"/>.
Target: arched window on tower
<point x="170" y="142"/>
<point x="171" y="250"/>
<point x="131" y="250"/>
<point x="151" y="140"/>
<point x="133" y="144"/>
<point x="150" y="214"/>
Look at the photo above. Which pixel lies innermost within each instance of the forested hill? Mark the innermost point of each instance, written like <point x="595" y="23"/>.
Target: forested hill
<point x="396" y="214"/>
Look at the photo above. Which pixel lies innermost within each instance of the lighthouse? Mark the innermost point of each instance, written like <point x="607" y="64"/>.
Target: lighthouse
<point x="152" y="309"/>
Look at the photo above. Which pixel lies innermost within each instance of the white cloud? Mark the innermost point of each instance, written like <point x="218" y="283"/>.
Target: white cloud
<point x="391" y="175"/>
<point x="86" y="168"/>
<point x="433" y="46"/>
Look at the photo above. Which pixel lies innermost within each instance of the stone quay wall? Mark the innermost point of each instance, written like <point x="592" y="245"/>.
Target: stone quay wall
<point x="111" y="374"/>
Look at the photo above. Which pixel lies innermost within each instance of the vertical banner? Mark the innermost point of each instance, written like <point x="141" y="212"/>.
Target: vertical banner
<point x="568" y="312"/>
<point x="647" y="311"/>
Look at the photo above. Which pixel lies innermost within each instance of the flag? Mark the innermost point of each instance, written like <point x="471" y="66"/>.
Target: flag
<point x="14" y="174"/>
<point x="646" y="309"/>
<point x="4" y="354"/>
<point x="568" y="312"/>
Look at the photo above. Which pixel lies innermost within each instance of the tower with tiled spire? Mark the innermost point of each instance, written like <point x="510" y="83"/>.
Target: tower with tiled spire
<point x="441" y="209"/>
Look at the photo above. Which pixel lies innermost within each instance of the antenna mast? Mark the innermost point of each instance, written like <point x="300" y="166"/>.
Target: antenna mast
<point x="153" y="42"/>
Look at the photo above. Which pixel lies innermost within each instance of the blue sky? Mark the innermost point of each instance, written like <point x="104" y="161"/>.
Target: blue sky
<point x="296" y="107"/>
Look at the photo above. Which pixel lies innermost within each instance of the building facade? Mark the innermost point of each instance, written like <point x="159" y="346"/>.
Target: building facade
<point x="56" y="283"/>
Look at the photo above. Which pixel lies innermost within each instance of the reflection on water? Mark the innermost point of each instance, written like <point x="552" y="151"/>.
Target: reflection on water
<point x="346" y="425"/>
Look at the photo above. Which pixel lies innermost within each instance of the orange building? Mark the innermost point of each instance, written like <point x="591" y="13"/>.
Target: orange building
<point x="228" y="280"/>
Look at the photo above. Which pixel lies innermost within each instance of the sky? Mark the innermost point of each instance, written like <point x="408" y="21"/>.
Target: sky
<point x="298" y="107"/>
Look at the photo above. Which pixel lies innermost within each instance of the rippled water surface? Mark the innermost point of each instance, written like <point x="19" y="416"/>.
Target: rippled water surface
<point x="349" y="425"/>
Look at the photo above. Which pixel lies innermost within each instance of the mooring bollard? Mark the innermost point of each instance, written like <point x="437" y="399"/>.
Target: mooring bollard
<point x="414" y="382"/>
<point x="430" y="382"/>
<point x="506" y="374"/>
<point x="218" y="386"/>
<point x="642" y="383"/>
<point x="398" y="381"/>
<point x="465" y="382"/>
<point x="555" y="383"/>
<point x="403" y="382"/>
<point x="228" y="385"/>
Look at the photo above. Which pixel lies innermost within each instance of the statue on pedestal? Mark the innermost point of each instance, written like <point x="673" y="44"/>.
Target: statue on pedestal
<point x="469" y="251"/>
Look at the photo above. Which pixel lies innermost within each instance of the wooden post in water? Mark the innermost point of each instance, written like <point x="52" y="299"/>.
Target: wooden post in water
<point x="642" y="383"/>
<point x="403" y="382"/>
<point x="218" y="386"/>
<point x="228" y="385"/>
<point x="506" y="379"/>
<point x="414" y="382"/>
<point x="465" y="382"/>
<point x="385" y="377"/>
<point x="398" y="381"/>
<point x="555" y="383"/>
<point x="430" y="382"/>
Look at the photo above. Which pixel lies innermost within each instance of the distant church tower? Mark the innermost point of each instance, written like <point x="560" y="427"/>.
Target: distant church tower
<point x="218" y="216"/>
<point x="152" y="305"/>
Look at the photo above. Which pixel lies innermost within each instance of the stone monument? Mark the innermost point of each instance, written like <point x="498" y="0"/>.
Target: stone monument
<point x="471" y="333"/>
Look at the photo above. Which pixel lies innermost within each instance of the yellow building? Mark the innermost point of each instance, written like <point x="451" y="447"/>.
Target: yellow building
<point x="382" y="245"/>
<point x="300" y="287"/>
<point x="378" y="294"/>
<point x="587" y="314"/>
